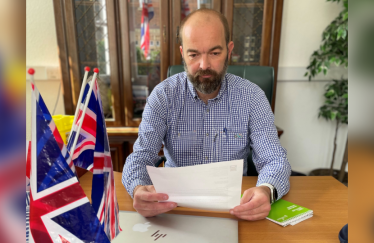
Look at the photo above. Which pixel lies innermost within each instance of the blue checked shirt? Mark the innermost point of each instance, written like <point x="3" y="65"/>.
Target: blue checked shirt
<point x="194" y="133"/>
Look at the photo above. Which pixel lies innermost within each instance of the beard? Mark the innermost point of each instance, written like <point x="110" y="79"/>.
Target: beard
<point x="206" y="85"/>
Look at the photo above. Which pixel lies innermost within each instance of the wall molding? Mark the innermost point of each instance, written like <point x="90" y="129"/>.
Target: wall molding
<point x="46" y="73"/>
<point x="296" y="74"/>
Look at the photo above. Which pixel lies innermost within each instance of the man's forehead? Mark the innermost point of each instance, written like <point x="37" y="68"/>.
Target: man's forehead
<point x="197" y="34"/>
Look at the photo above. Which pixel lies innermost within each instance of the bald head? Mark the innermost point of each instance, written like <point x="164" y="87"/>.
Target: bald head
<point x="205" y="49"/>
<point x="205" y="17"/>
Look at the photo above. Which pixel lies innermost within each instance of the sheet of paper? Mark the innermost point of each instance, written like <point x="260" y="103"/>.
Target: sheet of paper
<point x="215" y="186"/>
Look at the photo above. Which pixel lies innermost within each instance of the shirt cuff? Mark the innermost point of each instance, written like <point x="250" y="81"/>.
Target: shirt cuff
<point x="135" y="183"/>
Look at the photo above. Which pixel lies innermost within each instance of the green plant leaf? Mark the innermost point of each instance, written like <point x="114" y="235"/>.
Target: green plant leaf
<point x="329" y="102"/>
<point x="345" y="16"/>
<point x="340" y="33"/>
<point x="330" y="93"/>
<point x="333" y="115"/>
<point x="344" y="35"/>
<point x="334" y="45"/>
<point x="326" y="35"/>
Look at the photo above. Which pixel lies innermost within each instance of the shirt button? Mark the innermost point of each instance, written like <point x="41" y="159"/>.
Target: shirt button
<point x="207" y="134"/>
<point x="207" y="110"/>
<point x="206" y="158"/>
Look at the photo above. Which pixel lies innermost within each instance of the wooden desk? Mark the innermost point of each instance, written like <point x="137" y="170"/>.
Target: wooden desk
<point x="131" y="133"/>
<point x="327" y="197"/>
<point x="122" y="140"/>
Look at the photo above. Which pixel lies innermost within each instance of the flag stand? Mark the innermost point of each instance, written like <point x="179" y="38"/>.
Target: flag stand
<point x="86" y="69"/>
<point x="96" y="71"/>
<point x="31" y="71"/>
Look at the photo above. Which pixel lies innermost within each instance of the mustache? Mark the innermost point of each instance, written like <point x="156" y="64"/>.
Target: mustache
<point x="205" y="72"/>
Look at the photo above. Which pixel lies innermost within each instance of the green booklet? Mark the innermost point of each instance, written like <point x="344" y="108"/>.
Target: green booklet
<point x="286" y="213"/>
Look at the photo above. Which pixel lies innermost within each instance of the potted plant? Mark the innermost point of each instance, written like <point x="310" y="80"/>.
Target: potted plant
<point x="333" y="51"/>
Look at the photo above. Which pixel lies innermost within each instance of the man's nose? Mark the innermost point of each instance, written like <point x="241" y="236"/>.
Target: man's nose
<point x="204" y="63"/>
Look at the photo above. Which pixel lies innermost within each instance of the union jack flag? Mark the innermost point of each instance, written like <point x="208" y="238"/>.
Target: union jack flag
<point x="59" y="209"/>
<point x="92" y="153"/>
<point x="185" y="9"/>
<point x="147" y="15"/>
<point x="52" y="127"/>
<point x="28" y="161"/>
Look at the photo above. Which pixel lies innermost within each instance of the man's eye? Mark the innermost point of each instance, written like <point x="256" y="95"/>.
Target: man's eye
<point x="215" y="53"/>
<point x="193" y="55"/>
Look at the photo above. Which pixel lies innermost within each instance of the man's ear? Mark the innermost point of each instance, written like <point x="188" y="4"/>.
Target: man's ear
<point x="181" y="50"/>
<point x="230" y="47"/>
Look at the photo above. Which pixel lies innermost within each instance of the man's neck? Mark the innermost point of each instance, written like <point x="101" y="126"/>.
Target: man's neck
<point x="206" y="97"/>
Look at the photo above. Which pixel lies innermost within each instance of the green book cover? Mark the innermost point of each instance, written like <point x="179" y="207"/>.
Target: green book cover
<point x="284" y="213"/>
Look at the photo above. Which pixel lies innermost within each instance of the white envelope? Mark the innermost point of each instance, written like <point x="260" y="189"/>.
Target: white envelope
<point x="215" y="186"/>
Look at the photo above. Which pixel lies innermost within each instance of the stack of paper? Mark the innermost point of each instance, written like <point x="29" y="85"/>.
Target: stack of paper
<point x="215" y="186"/>
<point x="286" y="213"/>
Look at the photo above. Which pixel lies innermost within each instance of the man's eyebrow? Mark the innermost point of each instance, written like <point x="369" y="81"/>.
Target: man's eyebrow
<point x="192" y="50"/>
<point x="211" y="49"/>
<point x="216" y="47"/>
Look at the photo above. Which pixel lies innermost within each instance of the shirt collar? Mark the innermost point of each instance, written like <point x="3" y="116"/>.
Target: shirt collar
<point x="194" y="93"/>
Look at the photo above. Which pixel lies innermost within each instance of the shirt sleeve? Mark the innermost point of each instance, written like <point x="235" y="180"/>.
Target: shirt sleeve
<point x="152" y="131"/>
<point x="269" y="157"/>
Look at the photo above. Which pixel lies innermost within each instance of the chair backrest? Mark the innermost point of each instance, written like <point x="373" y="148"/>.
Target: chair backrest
<point x="260" y="75"/>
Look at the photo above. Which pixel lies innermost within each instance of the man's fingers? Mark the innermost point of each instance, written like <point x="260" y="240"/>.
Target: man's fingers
<point x="247" y="196"/>
<point x="146" y="202"/>
<point x="264" y="208"/>
<point x="147" y="213"/>
<point x="253" y="217"/>
<point x="155" y="206"/>
<point x="151" y="188"/>
<point x="150" y="196"/>
<point x="255" y="202"/>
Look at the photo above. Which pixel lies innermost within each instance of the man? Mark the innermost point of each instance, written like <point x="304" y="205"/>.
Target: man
<point x="204" y="115"/>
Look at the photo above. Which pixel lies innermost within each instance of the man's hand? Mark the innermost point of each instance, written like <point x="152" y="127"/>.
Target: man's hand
<point x="254" y="205"/>
<point x="146" y="201"/>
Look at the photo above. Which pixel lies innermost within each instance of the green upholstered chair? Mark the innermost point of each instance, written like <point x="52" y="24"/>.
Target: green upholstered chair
<point x="260" y="75"/>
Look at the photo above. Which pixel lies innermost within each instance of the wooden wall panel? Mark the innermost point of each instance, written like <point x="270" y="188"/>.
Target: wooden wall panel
<point x="118" y="159"/>
<point x="72" y="45"/>
<point x="276" y="45"/>
<point x="267" y="33"/>
<point x="63" y="56"/>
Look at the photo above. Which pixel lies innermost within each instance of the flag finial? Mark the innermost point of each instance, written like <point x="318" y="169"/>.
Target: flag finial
<point x="87" y="69"/>
<point x="31" y="71"/>
<point x="96" y="70"/>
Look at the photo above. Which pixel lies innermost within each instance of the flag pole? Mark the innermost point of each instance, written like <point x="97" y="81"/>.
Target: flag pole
<point x="86" y="69"/>
<point x="31" y="72"/>
<point x="96" y="71"/>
